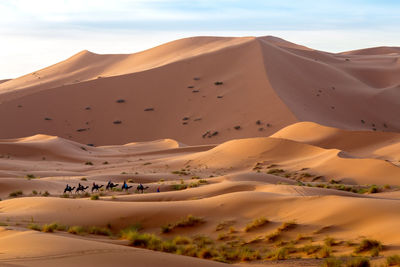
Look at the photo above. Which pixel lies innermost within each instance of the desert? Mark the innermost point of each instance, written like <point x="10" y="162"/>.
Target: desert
<point x="204" y="151"/>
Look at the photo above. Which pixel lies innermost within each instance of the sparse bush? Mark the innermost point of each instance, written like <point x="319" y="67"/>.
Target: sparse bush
<point x="95" y="197"/>
<point x="332" y="262"/>
<point x="34" y="192"/>
<point x="16" y="193"/>
<point x="46" y="193"/>
<point x="358" y="262"/>
<point x="50" y="228"/>
<point x="95" y="230"/>
<point x="287" y="226"/>
<point x="325" y="252"/>
<point x="88" y="163"/>
<point x="367" y="245"/>
<point x="256" y="224"/>
<point x="35" y="227"/>
<point x="273" y="236"/>
<point x="311" y="249"/>
<point x="84" y="178"/>
<point x="76" y="230"/>
<point x="275" y="171"/>
<point x="373" y="189"/>
<point x="30" y="176"/>
<point x="393" y="260"/>
<point x="179" y="186"/>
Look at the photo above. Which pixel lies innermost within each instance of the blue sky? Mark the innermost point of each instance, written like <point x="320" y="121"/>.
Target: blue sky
<point x="35" y="34"/>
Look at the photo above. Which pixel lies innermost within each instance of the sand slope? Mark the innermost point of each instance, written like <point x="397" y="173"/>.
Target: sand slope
<point x="234" y="182"/>
<point x="268" y="83"/>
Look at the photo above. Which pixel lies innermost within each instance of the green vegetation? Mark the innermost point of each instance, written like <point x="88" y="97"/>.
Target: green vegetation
<point x="30" y="176"/>
<point x="368" y="245"/>
<point x="393" y="260"/>
<point x="332" y="262"/>
<point x="256" y="223"/>
<point x="95" y="230"/>
<point x="189" y="221"/>
<point x="275" y="171"/>
<point x="88" y="163"/>
<point x="16" y="193"/>
<point x="358" y="262"/>
<point x="76" y="230"/>
<point x="94" y="197"/>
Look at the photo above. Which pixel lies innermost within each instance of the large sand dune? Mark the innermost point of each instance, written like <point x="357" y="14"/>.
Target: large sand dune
<point x="225" y="129"/>
<point x="241" y="179"/>
<point x="267" y="84"/>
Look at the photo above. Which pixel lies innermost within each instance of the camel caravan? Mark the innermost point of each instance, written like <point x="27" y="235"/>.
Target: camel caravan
<point x="96" y="187"/>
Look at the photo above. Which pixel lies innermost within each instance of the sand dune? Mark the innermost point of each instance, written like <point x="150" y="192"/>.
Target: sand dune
<point x="267" y="83"/>
<point x="225" y="129"/>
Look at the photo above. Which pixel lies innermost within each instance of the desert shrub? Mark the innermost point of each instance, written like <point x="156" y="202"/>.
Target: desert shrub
<point x="386" y="186"/>
<point x="181" y="172"/>
<point x="278" y="254"/>
<point x="358" y="262"/>
<point x="144" y="240"/>
<point x="30" y="176"/>
<point x="273" y="236"/>
<point x="130" y="181"/>
<point x="373" y="189"/>
<point x="205" y="253"/>
<point x="166" y="228"/>
<point x="287" y="226"/>
<point x="187" y="250"/>
<point x="275" y="171"/>
<point x="95" y="230"/>
<point x="368" y="245"/>
<point x="105" y="162"/>
<point x="132" y="228"/>
<point x="35" y="227"/>
<point x="34" y="192"/>
<point x="95" y="197"/>
<point x="311" y="249"/>
<point x="332" y="262"/>
<point x="329" y="241"/>
<point x="223" y="225"/>
<point x="393" y="260"/>
<point x="256" y="223"/>
<point x="202" y="241"/>
<point x="179" y="186"/>
<point x="182" y="240"/>
<point x="168" y="246"/>
<point x="325" y="252"/>
<point x="16" y="193"/>
<point x="50" y="228"/>
<point x="46" y="193"/>
<point x="76" y="230"/>
<point x="88" y="163"/>
<point x="65" y="195"/>
<point x="218" y="83"/>
<point x="84" y="179"/>
<point x="192" y="185"/>
<point x="203" y="181"/>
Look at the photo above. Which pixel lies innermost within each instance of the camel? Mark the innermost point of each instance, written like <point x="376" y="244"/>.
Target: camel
<point x="111" y="185"/>
<point x="68" y="189"/>
<point x="126" y="187"/>
<point x="81" y="188"/>
<point x="96" y="187"/>
<point x="141" y="188"/>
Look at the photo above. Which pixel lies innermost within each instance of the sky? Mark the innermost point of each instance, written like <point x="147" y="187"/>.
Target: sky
<point x="38" y="33"/>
